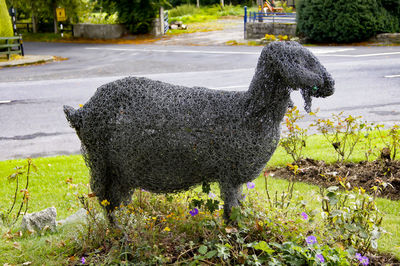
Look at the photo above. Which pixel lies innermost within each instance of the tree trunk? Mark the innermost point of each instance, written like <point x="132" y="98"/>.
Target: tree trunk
<point x="34" y="22"/>
<point x="55" y="17"/>
<point x="198" y="3"/>
<point x="222" y="3"/>
<point x="260" y="3"/>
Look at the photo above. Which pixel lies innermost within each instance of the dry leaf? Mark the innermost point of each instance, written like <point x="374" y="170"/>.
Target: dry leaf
<point x="230" y="230"/>
<point x="17" y="245"/>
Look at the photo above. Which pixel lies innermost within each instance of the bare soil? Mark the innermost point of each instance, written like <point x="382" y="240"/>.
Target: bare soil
<point x="363" y="174"/>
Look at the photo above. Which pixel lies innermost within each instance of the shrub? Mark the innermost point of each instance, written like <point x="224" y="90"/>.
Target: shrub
<point x="137" y="15"/>
<point x="5" y="21"/>
<point x="343" y="20"/>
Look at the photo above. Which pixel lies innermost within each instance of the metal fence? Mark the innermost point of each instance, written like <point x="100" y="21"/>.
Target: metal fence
<point x="268" y="17"/>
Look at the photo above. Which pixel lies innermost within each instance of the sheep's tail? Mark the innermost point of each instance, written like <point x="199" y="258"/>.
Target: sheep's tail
<point x="73" y="117"/>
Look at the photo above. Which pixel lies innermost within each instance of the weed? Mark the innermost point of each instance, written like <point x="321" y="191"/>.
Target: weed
<point x="10" y="217"/>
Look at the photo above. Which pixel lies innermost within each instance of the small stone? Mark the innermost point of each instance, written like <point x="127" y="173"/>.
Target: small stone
<point x="38" y="221"/>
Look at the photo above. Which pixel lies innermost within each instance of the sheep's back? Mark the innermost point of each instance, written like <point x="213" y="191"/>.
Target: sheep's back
<point x="167" y="138"/>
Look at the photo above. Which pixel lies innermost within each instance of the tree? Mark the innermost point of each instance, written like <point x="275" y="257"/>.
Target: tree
<point x="6" y="29"/>
<point x="43" y="11"/>
<point x="137" y="15"/>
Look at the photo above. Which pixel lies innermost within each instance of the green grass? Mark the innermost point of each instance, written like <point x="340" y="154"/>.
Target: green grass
<point x="44" y="37"/>
<point x="51" y="186"/>
<point x="190" y="14"/>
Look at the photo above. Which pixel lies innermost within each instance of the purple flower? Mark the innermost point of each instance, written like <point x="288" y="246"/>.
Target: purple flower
<point x="305" y="216"/>
<point x="250" y="185"/>
<point x="194" y="212"/>
<point x="363" y="259"/>
<point x="321" y="258"/>
<point x="211" y="195"/>
<point x="311" y="240"/>
<point x="83" y="260"/>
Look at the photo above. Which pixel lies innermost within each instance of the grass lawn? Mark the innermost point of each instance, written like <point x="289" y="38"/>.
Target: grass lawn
<point x="59" y="180"/>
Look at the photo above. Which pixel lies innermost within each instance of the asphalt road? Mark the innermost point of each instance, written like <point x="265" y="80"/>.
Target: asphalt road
<point x="32" y="122"/>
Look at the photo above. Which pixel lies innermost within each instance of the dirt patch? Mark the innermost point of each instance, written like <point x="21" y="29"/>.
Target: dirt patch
<point x="363" y="174"/>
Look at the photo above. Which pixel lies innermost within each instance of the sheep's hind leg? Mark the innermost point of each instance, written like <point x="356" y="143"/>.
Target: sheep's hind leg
<point x="231" y="195"/>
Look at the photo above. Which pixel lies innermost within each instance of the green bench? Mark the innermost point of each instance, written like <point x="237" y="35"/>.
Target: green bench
<point x="11" y="45"/>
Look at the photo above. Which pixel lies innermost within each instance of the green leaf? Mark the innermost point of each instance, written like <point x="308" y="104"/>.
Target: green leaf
<point x="203" y="249"/>
<point x="262" y="245"/>
<point x="332" y="188"/>
<point x="211" y="254"/>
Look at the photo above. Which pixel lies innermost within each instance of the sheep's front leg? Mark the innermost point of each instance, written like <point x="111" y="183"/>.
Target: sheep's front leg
<point x="231" y="195"/>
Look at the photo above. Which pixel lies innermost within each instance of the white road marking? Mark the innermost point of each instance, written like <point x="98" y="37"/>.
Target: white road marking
<point x="173" y="51"/>
<point x="392" y="76"/>
<point x="330" y="51"/>
<point x="313" y="50"/>
<point x="362" y="55"/>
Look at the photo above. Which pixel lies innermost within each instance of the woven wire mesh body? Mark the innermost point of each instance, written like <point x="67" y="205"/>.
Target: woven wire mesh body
<point x="141" y="133"/>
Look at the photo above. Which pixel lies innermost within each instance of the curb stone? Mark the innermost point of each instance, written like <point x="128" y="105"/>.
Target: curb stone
<point x="28" y="60"/>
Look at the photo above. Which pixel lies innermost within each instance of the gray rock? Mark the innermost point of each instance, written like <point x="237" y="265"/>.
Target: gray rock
<point x="141" y="133"/>
<point x="79" y="216"/>
<point x="37" y="221"/>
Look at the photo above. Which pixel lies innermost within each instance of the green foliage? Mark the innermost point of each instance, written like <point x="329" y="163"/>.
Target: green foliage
<point x="345" y="21"/>
<point x="191" y="14"/>
<point x="6" y="29"/>
<point x="43" y="11"/>
<point x="137" y="15"/>
<point x="99" y="18"/>
<point x="153" y="230"/>
<point x="353" y="216"/>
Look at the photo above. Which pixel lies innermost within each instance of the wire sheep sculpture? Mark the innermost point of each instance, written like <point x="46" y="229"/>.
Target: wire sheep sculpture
<point x="141" y="133"/>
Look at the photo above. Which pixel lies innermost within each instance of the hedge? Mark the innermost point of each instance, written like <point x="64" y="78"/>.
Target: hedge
<point x="345" y="21"/>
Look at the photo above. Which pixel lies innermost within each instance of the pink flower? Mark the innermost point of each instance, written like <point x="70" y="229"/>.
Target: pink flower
<point x="305" y="216"/>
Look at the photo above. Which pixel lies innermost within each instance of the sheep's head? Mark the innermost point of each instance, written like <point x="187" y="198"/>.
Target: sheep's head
<point x="297" y="68"/>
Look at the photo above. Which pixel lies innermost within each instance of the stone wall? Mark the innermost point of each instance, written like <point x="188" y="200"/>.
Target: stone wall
<point x="257" y="30"/>
<point x="99" y="31"/>
<point x="387" y="38"/>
